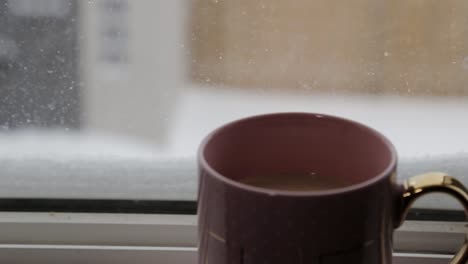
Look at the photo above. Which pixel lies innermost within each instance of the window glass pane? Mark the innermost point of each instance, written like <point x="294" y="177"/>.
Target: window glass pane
<point x="110" y="98"/>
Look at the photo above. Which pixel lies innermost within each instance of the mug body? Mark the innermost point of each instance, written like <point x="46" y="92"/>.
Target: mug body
<point x="244" y="224"/>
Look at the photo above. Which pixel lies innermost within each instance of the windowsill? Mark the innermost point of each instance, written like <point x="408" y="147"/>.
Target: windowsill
<point x="165" y="238"/>
<point x="93" y="165"/>
<point x="144" y="255"/>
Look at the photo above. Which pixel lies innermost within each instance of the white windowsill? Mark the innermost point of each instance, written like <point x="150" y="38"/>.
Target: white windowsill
<point x="124" y="255"/>
<point x="119" y="238"/>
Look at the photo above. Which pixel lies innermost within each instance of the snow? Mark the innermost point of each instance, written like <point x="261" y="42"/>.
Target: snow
<point x="429" y="134"/>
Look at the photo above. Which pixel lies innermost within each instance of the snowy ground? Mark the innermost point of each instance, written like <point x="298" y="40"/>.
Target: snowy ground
<point x="429" y="134"/>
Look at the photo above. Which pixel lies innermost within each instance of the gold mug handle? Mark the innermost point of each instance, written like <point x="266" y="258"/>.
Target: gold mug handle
<point x="430" y="182"/>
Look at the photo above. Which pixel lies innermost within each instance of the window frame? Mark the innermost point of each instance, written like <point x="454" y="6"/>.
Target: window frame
<point x="163" y="255"/>
<point x="29" y="237"/>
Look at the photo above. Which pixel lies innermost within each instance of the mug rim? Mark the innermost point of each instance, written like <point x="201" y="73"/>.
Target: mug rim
<point x="389" y="169"/>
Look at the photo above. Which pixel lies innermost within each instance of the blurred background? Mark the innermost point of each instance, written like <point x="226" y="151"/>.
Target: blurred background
<point x="101" y="79"/>
<point x="122" y="66"/>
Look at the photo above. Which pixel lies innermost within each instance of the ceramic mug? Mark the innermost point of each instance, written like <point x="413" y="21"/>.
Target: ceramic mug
<point x="244" y="224"/>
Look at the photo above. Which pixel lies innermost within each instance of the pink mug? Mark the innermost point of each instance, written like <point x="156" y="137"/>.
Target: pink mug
<point x="244" y="224"/>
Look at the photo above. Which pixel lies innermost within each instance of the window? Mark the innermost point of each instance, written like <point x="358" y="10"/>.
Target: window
<point x="103" y="102"/>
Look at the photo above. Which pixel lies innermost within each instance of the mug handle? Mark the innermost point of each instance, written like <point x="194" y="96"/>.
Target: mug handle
<point x="419" y="185"/>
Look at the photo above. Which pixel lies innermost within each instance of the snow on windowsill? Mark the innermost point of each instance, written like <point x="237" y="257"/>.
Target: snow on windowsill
<point x="429" y="134"/>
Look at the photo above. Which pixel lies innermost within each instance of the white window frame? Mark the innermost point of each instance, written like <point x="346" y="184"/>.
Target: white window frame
<point x="124" y="238"/>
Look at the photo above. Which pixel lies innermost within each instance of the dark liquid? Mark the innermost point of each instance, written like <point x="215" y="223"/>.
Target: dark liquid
<point x="296" y="182"/>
